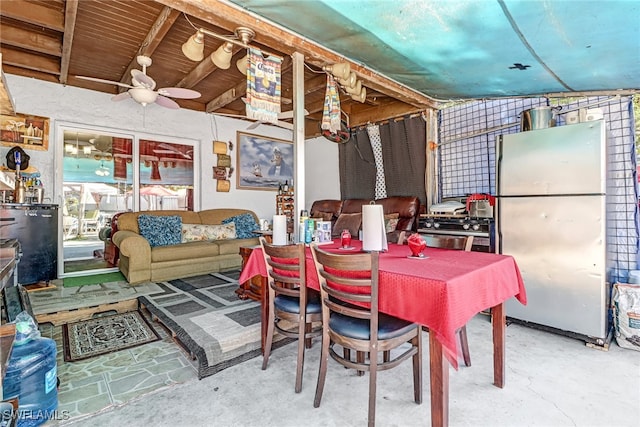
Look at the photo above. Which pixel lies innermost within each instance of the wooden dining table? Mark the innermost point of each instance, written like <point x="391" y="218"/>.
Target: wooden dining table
<point x="442" y="290"/>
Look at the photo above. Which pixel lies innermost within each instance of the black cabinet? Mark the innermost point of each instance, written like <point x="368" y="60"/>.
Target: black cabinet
<point x="36" y="228"/>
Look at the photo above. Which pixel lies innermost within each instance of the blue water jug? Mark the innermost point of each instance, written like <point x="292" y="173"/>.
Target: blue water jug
<point x="31" y="376"/>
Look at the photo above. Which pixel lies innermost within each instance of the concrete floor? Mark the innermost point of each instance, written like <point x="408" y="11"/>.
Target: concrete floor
<point x="551" y="380"/>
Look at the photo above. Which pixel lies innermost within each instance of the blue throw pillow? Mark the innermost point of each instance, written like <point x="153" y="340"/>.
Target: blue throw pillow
<point x="161" y="230"/>
<point x="245" y="225"/>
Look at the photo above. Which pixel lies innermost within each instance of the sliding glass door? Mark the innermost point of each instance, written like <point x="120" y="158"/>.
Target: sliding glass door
<point x="104" y="173"/>
<point x="93" y="190"/>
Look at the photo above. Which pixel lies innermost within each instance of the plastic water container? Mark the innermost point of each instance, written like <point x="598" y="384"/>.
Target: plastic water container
<point x="31" y="377"/>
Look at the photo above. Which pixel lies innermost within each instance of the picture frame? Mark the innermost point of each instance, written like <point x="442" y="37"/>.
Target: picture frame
<point x="224" y="160"/>
<point x="28" y="132"/>
<point x="219" y="172"/>
<point x="263" y="163"/>
<point x="223" y="186"/>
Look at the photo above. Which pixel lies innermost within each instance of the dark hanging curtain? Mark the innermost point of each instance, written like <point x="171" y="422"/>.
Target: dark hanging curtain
<point x="357" y="167"/>
<point x="403" y="148"/>
<point x="404" y="145"/>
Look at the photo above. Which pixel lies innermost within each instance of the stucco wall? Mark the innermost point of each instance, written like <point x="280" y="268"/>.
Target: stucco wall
<point x="74" y="106"/>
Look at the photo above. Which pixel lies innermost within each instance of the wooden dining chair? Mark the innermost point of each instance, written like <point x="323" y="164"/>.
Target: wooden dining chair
<point x="350" y="319"/>
<point x="456" y="243"/>
<point x="287" y="293"/>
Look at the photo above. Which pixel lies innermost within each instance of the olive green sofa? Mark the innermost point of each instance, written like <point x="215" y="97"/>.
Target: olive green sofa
<point x="140" y="262"/>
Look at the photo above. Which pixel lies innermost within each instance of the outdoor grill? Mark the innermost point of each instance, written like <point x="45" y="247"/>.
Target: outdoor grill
<point x="453" y="219"/>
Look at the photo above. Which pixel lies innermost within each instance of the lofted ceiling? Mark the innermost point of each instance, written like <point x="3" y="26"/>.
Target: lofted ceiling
<point x="409" y="54"/>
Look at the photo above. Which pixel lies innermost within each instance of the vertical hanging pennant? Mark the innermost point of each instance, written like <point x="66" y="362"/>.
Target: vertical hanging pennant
<point x="263" y="87"/>
<point x="331" y="109"/>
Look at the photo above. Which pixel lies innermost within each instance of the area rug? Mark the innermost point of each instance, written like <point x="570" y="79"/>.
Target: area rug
<point x="106" y="334"/>
<point x="92" y="279"/>
<point x="209" y="320"/>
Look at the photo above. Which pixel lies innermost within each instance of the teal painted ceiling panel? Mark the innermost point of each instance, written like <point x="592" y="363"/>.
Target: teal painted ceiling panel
<point x="476" y="49"/>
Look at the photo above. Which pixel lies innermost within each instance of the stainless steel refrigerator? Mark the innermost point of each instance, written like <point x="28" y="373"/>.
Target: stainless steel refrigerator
<point x="551" y="217"/>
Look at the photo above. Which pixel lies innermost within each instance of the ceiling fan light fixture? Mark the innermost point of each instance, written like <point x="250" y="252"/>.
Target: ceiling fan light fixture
<point x="349" y="81"/>
<point x="194" y="47"/>
<point x="340" y="70"/>
<point x="360" y="97"/>
<point x="243" y="64"/>
<point x="355" y="90"/>
<point x="143" y="95"/>
<point x="222" y="56"/>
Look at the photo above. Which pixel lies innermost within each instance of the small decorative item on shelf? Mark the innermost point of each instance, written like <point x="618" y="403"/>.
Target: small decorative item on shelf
<point x="345" y="239"/>
<point x="416" y="245"/>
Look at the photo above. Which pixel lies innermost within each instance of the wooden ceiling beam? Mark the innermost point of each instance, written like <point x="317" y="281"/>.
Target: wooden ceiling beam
<point x="201" y="71"/>
<point x="7" y="107"/>
<point x="70" y="13"/>
<point x="224" y="14"/>
<point x="227" y="97"/>
<point x="379" y="113"/>
<point x="25" y="39"/>
<point x="20" y="71"/>
<point x="30" y="61"/>
<point x="33" y="13"/>
<point x="154" y="37"/>
<point x="315" y="84"/>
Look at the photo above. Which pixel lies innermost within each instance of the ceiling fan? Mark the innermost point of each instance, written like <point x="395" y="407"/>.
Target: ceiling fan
<point x="142" y="88"/>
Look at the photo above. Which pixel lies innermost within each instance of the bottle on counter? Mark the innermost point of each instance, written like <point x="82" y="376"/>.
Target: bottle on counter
<point x="304" y="216"/>
<point x="20" y="191"/>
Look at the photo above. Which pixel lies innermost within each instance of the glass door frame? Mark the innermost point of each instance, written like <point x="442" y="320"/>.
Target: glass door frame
<point x="58" y="191"/>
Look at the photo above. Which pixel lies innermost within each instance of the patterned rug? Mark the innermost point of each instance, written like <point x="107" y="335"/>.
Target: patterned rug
<point x="209" y="320"/>
<point x="106" y="334"/>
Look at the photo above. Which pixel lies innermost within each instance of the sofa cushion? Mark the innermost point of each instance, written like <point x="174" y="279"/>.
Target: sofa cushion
<point x="196" y="232"/>
<point x="160" y="230"/>
<point x="323" y="216"/>
<point x="349" y="222"/>
<point x="391" y="222"/>
<point x="192" y="251"/>
<point x="245" y="225"/>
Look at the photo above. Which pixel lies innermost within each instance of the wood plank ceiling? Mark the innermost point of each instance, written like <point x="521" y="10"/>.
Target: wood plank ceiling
<point x="58" y="40"/>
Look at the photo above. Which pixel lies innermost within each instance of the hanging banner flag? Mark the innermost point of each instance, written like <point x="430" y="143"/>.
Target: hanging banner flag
<point x="263" y="87"/>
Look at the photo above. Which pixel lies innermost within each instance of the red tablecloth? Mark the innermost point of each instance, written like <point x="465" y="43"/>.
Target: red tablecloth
<point x="442" y="291"/>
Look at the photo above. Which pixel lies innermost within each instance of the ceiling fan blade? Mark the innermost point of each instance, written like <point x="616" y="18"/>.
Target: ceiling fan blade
<point x="179" y="92"/>
<point x="284" y="125"/>
<point x="121" y="96"/>
<point x="109" y="82"/>
<point x="289" y="114"/>
<point x="142" y="79"/>
<point x="167" y="102"/>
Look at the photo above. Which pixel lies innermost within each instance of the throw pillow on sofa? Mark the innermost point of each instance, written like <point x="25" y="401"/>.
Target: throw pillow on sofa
<point x="199" y="232"/>
<point x="161" y="230"/>
<point x="245" y="225"/>
<point x="391" y="222"/>
<point x="349" y="222"/>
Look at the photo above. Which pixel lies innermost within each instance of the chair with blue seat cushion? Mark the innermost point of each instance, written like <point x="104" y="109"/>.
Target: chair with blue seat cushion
<point x="287" y="293"/>
<point x="350" y="319"/>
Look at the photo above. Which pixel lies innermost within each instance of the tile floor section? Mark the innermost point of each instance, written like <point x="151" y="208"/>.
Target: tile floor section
<point x="94" y="384"/>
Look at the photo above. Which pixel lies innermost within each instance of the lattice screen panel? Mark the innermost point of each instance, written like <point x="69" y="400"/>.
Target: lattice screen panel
<point x="466" y="160"/>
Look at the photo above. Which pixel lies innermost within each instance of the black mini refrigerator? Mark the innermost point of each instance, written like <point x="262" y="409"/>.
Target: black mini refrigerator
<point x="36" y="228"/>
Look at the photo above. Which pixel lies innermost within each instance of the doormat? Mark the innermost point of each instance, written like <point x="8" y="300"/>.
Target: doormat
<point x="102" y="335"/>
<point x="94" y="279"/>
<point x="208" y="319"/>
